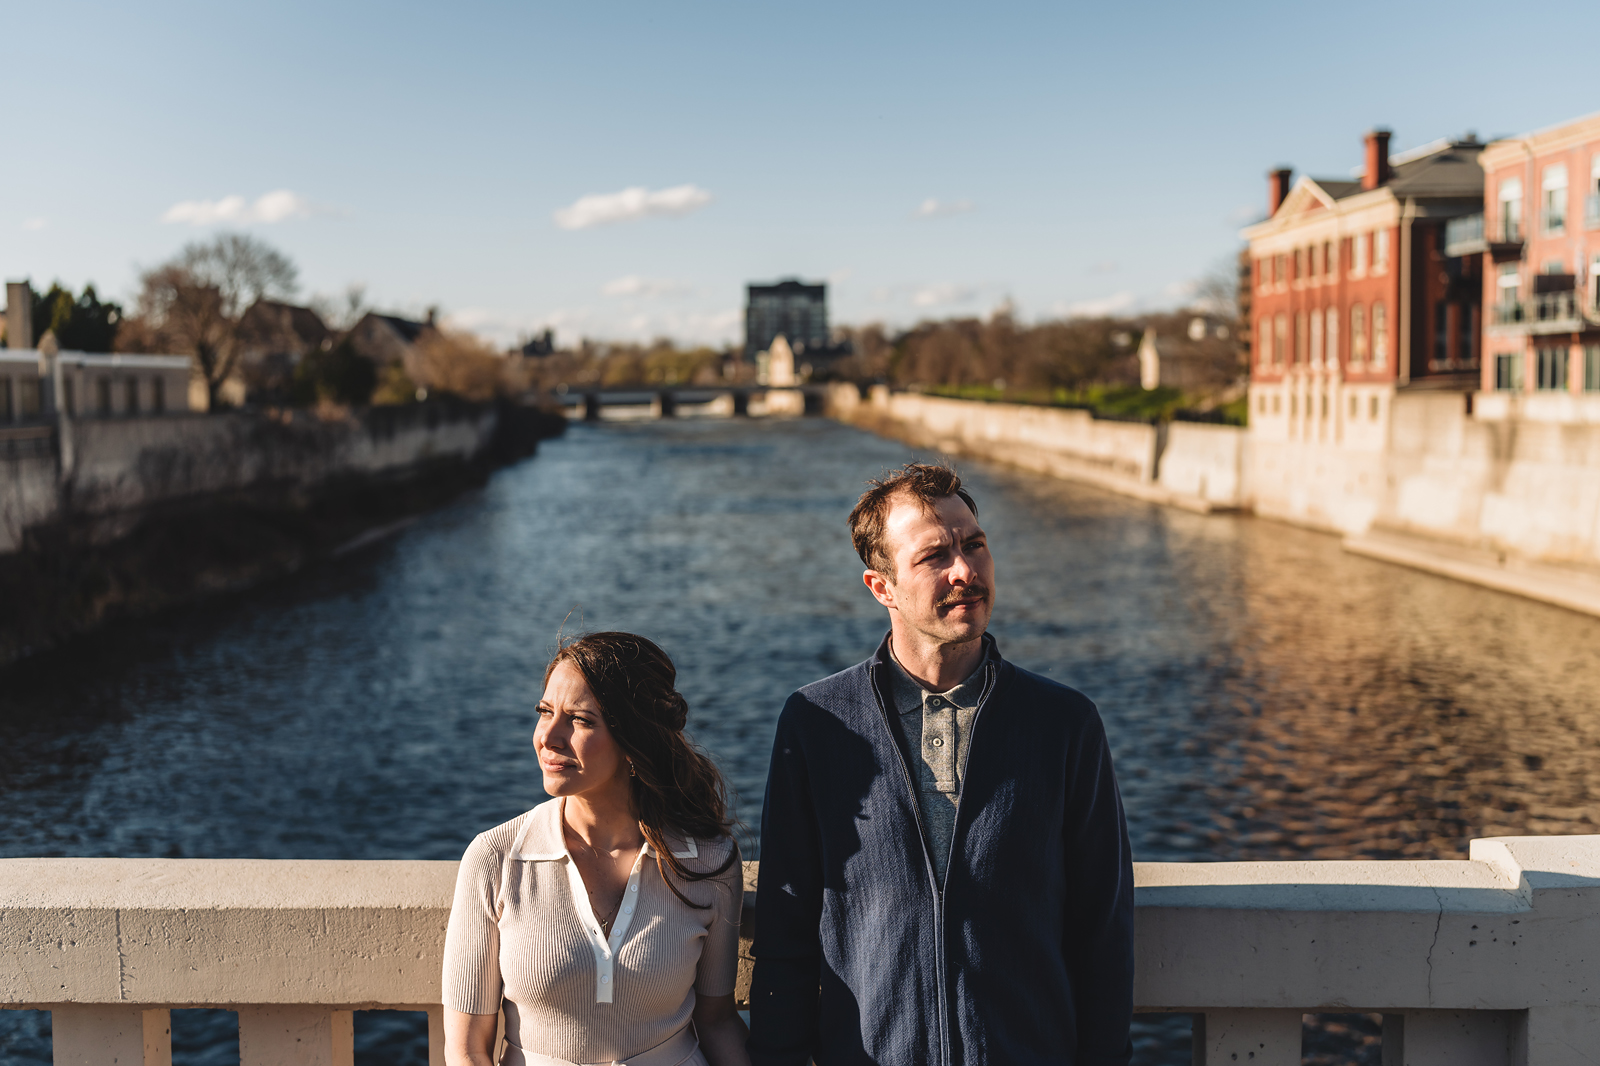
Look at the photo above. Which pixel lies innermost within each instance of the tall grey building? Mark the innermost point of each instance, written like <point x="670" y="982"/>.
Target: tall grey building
<point x="792" y="308"/>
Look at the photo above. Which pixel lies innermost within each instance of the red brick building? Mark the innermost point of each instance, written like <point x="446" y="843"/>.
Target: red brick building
<point x="1353" y="293"/>
<point x="1539" y="238"/>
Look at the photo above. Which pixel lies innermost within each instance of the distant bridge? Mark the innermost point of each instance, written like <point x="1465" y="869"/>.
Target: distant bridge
<point x="643" y="402"/>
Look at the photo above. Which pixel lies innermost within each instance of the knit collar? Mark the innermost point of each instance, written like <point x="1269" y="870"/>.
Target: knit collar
<point x="541" y="839"/>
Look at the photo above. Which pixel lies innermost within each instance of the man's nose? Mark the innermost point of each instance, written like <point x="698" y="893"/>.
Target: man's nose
<point x="961" y="571"/>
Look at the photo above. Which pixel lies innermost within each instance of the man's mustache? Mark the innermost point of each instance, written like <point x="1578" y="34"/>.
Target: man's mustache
<point x="969" y="592"/>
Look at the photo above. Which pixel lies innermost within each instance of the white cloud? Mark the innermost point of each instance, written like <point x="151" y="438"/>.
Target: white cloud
<point x="1105" y="305"/>
<point x="1180" y="290"/>
<point x="1104" y="266"/>
<point x="1245" y="214"/>
<point x="33" y="225"/>
<point x="933" y="208"/>
<point x="599" y="209"/>
<point x="634" y="285"/>
<point x="942" y="294"/>
<point x="275" y="206"/>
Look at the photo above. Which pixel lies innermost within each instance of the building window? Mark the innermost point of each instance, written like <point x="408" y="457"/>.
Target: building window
<point x="1277" y="404"/>
<point x="1279" y="267"/>
<point x="1355" y="407"/>
<point x="1263" y="277"/>
<point x="1553" y="203"/>
<point x="1508" y="372"/>
<point x="1327" y="254"/>
<point x="1316" y="338"/>
<point x="1299" y="264"/>
<point x="1264" y="331"/>
<point x="1511" y="210"/>
<point x="1508" y="307"/>
<point x="1380" y="334"/>
<point x="1280" y="338"/>
<point x="1294" y="405"/>
<point x="1591" y="202"/>
<point x="158" y="395"/>
<point x="1380" y="251"/>
<point x="1591" y="368"/>
<point x="1358" y="334"/>
<point x="1358" y="254"/>
<point x="1302" y="340"/>
<point x="1372" y="409"/>
<point x="1552" y="368"/>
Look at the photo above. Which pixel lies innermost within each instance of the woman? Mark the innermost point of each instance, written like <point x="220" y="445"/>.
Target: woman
<point x="605" y="921"/>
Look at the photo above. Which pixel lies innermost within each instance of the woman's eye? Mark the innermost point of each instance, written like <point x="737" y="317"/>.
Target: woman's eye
<point x="543" y="712"/>
<point x="581" y="720"/>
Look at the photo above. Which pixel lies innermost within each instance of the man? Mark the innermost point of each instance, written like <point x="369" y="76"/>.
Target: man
<point x="945" y="877"/>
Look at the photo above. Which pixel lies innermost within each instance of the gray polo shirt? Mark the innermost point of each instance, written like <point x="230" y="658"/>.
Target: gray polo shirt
<point x="939" y="726"/>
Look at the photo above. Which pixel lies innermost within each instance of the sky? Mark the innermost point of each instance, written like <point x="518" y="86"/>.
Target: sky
<point x="621" y="170"/>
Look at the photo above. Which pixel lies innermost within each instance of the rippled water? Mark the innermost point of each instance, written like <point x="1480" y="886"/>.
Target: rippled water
<point x="1266" y="695"/>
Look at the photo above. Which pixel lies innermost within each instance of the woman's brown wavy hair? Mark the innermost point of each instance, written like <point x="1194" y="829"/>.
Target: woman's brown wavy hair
<point x="676" y="787"/>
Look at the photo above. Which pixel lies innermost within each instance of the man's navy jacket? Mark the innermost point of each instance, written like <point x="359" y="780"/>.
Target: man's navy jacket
<point x="1025" y="957"/>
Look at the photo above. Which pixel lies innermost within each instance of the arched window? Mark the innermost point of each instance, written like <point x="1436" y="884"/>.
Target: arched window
<point x="1380" y="334"/>
<point x="1358" y="334"/>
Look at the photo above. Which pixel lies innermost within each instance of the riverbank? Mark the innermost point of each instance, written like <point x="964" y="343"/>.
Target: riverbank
<point x="133" y="516"/>
<point x="1494" y="500"/>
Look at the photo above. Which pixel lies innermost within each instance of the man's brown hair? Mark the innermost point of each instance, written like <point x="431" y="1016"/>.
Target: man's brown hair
<point x="924" y="482"/>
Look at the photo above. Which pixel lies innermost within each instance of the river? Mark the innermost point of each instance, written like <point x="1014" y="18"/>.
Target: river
<point x="1266" y="695"/>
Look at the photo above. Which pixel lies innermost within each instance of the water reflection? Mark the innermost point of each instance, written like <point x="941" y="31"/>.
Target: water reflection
<point x="1266" y="695"/>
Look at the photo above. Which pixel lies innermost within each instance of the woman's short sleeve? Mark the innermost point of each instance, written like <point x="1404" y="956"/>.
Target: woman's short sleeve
<point x="718" y="970"/>
<point x="471" y="981"/>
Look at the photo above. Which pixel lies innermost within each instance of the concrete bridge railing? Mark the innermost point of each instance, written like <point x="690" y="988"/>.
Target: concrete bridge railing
<point x="1492" y="961"/>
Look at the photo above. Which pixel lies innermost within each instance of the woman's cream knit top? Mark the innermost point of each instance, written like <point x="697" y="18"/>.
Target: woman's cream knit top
<point x="522" y="933"/>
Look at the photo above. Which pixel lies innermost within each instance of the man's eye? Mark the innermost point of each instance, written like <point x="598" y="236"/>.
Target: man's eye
<point x="543" y="712"/>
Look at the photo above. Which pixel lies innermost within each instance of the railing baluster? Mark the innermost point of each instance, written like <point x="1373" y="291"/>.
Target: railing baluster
<point x="1253" y="1037"/>
<point x="110" y="1035"/>
<point x="296" y="1036"/>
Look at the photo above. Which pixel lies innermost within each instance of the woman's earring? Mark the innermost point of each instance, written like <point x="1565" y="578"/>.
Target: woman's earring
<point x="633" y="771"/>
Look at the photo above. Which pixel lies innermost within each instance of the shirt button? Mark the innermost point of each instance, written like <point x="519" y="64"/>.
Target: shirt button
<point x="605" y="979"/>
<point x="633" y="888"/>
<point x="627" y="910"/>
<point x="938" y="742"/>
<point x="936" y="701"/>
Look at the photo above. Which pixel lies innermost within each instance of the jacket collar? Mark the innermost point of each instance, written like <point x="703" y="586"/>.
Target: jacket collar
<point x="541" y="839"/>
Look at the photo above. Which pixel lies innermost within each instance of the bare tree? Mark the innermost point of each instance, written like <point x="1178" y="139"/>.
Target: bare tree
<point x="1217" y="291"/>
<point x="341" y="314"/>
<point x="192" y="304"/>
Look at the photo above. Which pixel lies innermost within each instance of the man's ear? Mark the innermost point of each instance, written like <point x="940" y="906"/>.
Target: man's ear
<point x="879" y="586"/>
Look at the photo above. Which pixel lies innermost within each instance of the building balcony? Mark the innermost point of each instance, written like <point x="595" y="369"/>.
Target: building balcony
<point x="1488" y="960"/>
<point x="1549" y="312"/>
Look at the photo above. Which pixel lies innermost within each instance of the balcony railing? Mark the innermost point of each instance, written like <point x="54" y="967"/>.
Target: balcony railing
<point x="1488" y="960"/>
<point x="1550" y="312"/>
<point x="1464" y="236"/>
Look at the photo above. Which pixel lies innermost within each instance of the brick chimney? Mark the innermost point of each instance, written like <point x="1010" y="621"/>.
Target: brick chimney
<point x="19" y="314"/>
<point x="1377" y="172"/>
<point x="1277" y="188"/>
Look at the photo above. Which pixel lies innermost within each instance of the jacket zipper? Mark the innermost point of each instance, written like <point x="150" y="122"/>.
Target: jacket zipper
<point x="938" y="885"/>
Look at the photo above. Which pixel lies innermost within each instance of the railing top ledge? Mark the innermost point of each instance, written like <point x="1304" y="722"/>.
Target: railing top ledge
<point x="1504" y="874"/>
<point x="176" y="884"/>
